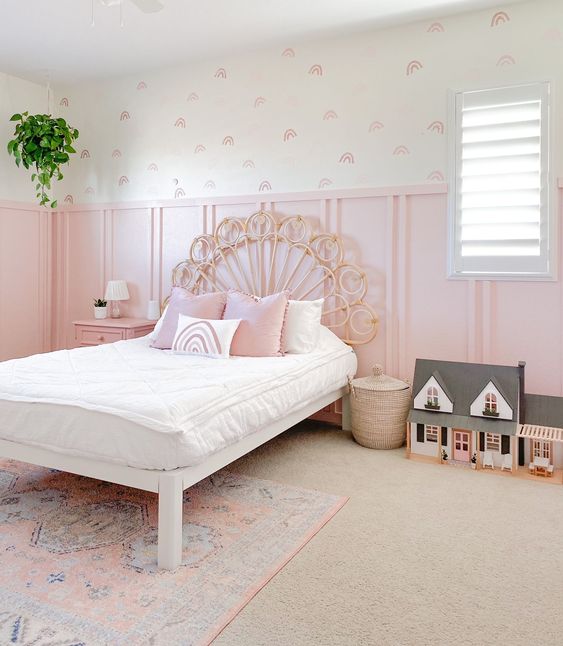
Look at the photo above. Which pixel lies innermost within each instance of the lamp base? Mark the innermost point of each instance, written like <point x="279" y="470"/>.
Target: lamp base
<point x="114" y="310"/>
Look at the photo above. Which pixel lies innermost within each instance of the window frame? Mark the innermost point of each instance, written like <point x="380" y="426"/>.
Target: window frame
<point x="431" y="429"/>
<point x="432" y="396"/>
<point x="551" y="220"/>
<point x="494" y="440"/>
<point x="491" y="402"/>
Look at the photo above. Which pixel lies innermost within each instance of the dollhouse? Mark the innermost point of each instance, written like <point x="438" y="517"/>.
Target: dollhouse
<point x="479" y="415"/>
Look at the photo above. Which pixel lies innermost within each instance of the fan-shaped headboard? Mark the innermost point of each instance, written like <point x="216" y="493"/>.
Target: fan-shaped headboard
<point x="262" y="256"/>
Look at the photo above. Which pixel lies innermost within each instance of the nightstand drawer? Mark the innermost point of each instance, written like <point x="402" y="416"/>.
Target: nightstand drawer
<point x="97" y="336"/>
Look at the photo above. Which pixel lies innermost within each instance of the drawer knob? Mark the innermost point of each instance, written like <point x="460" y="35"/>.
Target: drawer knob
<point x="100" y="338"/>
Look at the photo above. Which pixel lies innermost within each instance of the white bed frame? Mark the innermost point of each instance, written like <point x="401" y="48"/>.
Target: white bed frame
<point x="216" y="263"/>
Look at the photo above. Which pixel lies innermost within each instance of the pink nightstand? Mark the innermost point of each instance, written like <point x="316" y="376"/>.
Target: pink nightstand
<point x="99" y="331"/>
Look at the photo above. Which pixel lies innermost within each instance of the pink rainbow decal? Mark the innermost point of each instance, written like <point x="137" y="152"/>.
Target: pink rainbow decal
<point x="179" y="192"/>
<point x="436" y="126"/>
<point x="193" y="97"/>
<point x="200" y="148"/>
<point x="414" y="66"/>
<point x="209" y="185"/>
<point x="64" y="102"/>
<point x="116" y="153"/>
<point x="316" y="70"/>
<point x="436" y="176"/>
<point x="124" y="116"/>
<point x="180" y="122"/>
<point x="346" y="158"/>
<point x="288" y="53"/>
<point x="260" y="100"/>
<point x="228" y="141"/>
<point x="325" y="181"/>
<point x="198" y="338"/>
<point x="141" y="85"/>
<point x="85" y="154"/>
<point x="289" y="134"/>
<point x="221" y="73"/>
<point x="401" y="150"/>
<point x="89" y="190"/>
<point x="152" y="167"/>
<point x="330" y="114"/>
<point x="69" y="199"/>
<point x="265" y="186"/>
<point x="499" y="18"/>
<point x="375" y="125"/>
<point x="123" y="180"/>
<point x="436" y="27"/>
<point x="506" y="59"/>
<point x="248" y="163"/>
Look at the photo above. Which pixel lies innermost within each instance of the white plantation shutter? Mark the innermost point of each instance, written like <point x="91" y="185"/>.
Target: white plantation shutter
<point x="501" y="224"/>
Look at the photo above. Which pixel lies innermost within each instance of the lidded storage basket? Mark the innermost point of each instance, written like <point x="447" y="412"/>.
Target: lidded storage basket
<point x="379" y="407"/>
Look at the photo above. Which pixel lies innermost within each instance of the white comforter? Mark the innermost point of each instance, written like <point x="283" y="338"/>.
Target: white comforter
<point x="192" y="406"/>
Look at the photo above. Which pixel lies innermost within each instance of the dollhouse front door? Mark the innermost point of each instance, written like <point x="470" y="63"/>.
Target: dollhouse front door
<point x="461" y="446"/>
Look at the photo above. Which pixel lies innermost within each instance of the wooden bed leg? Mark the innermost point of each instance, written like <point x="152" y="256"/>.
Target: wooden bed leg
<point x="346" y="414"/>
<point x="170" y="499"/>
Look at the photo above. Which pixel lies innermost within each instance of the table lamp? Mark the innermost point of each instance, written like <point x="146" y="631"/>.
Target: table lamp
<point x="116" y="291"/>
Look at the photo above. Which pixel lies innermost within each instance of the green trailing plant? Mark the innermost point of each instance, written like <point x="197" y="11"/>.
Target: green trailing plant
<point x="43" y="143"/>
<point x="474" y="458"/>
<point x="444" y="455"/>
<point x="100" y="302"/>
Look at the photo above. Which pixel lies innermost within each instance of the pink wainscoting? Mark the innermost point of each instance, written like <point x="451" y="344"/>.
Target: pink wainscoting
<point x="52" y="265"/>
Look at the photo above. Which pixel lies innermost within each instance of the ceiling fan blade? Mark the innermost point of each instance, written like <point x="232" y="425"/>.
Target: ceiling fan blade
<point x="149" y="6"/>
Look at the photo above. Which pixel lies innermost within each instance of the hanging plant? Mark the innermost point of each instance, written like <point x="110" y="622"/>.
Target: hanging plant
<point x="45" y="144"/>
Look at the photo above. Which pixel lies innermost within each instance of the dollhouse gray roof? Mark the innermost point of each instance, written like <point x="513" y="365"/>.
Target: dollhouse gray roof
<point x="438" y="377"/>
<point x="543" y="410"/>
<point x="464" y="382"/>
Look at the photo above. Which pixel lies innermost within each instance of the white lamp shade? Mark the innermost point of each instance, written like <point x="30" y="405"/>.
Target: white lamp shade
<point x="116" y="290"/>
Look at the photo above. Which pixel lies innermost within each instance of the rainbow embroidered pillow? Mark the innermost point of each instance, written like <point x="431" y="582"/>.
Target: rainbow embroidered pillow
<point x="208" y="338"/>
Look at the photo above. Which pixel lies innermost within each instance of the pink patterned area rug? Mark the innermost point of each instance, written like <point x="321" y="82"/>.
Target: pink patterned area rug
<point x="78" y="556"/>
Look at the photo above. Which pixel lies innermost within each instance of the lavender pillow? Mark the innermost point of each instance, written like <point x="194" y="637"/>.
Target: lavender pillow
<point x="204" y="306"/>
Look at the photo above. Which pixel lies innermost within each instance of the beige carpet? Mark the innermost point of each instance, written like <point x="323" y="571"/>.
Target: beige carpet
<point x="421" y="554"/>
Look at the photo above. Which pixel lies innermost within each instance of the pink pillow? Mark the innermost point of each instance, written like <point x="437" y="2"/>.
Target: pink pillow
<point x="205" y="306"/>
<point x="259" y="333"/>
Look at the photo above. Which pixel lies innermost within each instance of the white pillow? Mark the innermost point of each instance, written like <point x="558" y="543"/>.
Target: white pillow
<point x="208" y="338"/>
<point x="302" y="326"/>
<point x="158" y="325"/>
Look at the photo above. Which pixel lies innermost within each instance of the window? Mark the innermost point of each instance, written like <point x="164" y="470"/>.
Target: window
<point x="541" y="449"/>
<point x="500" y="223"/>
<point x="432" y="396"/>
<point x="492" y="442"/>
<point x="432" y="433"/>
<point x="491" y="403"/>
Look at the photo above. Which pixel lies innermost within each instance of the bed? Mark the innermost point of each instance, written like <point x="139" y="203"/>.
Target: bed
<point x="133" y="415"/>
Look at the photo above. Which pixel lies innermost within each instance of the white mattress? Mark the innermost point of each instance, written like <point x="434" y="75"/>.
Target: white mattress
<point x="128" y="403"/>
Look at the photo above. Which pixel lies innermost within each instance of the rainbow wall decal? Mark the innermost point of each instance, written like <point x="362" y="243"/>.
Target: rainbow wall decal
<point x="89" y="190"/>
<point x="265" y="186"/>
<point x="260" y="100"/>
<point x="401" y="150"/>
<point x="289" y="134"/>
<point x="330" y="114"/>
<point x="221" y="73"/>
<point x="200" y="148"/>
<point x="64" y="102"/>
<point x="437" y="127"/>
<point x="499" y="18"/>
<point x="116" y="153"/>
<point x="123" y="180"/>
<point x="180" y="122"/>
<point x="69" y="199"/>
<point x="193" y="97"/>
<point x="141" y="85"/>
<point x="228" y="141"/>
<point x="124" y="116"/>
<point x="506" y="59"/>
<point x="374" y="126"/>
<point x="346" y="158"/>
<point x="325" y="181"/>
<point x="85" y="154"/>
<point x="436" y="27"/>
<point x="316" y="70"/>
<point x="152" y="167"/>
<point x="248" y="163"/>
<point x="209" y="185"/>
<point x="436" y="176"/>
<point x="179" y="192"/>
<point x="288" y="53"/>
<point x="413" y="67"/>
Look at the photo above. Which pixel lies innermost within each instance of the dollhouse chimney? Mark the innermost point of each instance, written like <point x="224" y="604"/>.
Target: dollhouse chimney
<point x="522" y="398"/>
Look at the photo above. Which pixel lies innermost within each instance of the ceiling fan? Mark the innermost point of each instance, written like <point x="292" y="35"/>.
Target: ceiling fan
<point x="146" y="6"/>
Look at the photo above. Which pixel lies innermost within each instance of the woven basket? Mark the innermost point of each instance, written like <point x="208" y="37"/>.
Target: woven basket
<point x="379" y="407"/>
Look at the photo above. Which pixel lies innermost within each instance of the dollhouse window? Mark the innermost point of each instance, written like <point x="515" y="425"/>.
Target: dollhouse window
<point x="432" y="396"/>
<point x="502" y="221"/>
<point x="492" y="442"/>
<point x="491" y="402"/>
<point x="541" y="449"/>
<point x="432" y="433"/>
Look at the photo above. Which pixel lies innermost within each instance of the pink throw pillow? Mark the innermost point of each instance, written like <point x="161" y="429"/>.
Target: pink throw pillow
<point x="204" y="306"/>
<point x="259" y="333"/>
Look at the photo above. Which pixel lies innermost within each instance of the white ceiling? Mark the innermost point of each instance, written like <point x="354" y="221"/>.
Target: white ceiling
<point x="56" y="37"/>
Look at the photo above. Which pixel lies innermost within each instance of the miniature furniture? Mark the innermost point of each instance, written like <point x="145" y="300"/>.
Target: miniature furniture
<point x="99" y="331"/>
<point x="488" y="460"/>
<point x="507" y="462"/>
<point x="542" y="467"/>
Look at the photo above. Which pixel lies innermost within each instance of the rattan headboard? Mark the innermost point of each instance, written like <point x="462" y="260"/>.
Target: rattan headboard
<point x="262" y="256"/>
